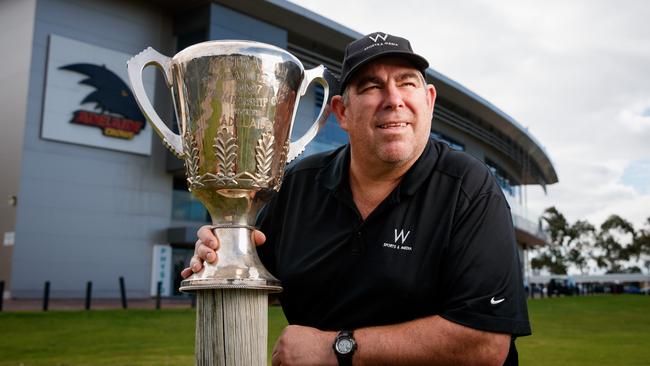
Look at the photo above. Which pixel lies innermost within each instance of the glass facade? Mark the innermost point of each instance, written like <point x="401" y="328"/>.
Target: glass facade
<point x="186" y="207"/>
<point x="508" y="184"/>
<point x="329" y="137"/>
<point x="447" y="140"/>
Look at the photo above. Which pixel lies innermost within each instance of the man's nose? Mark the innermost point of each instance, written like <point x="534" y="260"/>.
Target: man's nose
<point x="393" y="97"/>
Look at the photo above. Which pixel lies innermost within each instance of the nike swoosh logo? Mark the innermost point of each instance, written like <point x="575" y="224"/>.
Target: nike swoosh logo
<point x="494" y="302"/>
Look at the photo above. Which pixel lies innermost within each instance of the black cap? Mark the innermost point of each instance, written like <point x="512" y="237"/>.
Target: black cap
<point x="372" y="46"/>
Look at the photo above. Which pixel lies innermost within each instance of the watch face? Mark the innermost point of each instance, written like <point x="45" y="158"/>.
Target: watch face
<point x="344" y="345"/>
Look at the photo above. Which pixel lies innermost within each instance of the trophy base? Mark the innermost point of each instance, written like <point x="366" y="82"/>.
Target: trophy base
<point x="238" y="266"/>
<point x="191" y="285"/>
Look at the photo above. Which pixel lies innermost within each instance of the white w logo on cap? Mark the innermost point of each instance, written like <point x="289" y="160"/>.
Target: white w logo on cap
<point x="377" y="36"/>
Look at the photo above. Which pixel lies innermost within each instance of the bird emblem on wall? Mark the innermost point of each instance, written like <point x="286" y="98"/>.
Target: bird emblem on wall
<point x="119" y="115"/>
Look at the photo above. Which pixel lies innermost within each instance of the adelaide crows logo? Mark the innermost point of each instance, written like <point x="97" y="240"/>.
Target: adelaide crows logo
<point x="119" y="115"/>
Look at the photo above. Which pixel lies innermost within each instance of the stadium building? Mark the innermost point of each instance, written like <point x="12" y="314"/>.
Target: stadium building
<point x="90" y="194"/>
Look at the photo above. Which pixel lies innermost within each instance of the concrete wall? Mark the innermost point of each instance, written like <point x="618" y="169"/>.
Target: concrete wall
<point x="89" y="214"/>
<point x="16" y="30"/>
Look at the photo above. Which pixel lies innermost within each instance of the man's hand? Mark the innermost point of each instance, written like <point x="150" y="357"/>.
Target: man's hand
<point x="206" y="248"/>
<point x="298" y="345"/>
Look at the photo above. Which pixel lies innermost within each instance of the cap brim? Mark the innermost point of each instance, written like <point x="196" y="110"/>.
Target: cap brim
<point x="418" y="61"/>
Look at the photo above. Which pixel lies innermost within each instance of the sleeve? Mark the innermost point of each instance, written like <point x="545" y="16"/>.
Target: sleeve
<point x="266" y="224"/>
<point x="482" y="281"/>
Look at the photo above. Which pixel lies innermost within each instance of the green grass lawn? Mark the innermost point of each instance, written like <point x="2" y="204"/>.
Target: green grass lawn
<point x="590" y="330"/>
<point x="596" y="330"/>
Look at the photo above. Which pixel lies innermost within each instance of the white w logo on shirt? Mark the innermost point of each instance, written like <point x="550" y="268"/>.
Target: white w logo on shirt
<point x="401" y="236"/>
<point x="377" y="36"/>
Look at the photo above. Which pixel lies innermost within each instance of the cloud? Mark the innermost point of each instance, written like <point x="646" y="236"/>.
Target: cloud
<point x="636" y="118"/>
<point x="575" y="73"/>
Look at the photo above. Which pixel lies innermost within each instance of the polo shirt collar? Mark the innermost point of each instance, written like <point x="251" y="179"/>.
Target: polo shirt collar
<point x="335" y="175"/>
<point x="421" y="170"/>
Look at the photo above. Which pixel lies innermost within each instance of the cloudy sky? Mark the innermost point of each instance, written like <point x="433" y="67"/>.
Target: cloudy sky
<point x="575" y="73"/>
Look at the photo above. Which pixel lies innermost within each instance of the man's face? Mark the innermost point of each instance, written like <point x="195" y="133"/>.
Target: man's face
<point x="388" y="112"/>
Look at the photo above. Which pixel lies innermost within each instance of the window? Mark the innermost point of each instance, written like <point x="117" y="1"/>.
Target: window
<point x="508" y="184"/>
<point x="185" y="207"/>
<point x="447" y="140"/>
<point x="330" y="136"/>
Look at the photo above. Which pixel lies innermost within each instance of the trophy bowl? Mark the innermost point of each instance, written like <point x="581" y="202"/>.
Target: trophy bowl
<point x="235" y="104"/>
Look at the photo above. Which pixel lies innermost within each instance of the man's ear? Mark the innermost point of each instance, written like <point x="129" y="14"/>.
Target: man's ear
<point x="339" y="109"/>
<point x="431" y="97"/>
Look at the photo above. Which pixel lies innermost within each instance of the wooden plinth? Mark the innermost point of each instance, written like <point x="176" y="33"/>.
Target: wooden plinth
<point x="231" y="327"/>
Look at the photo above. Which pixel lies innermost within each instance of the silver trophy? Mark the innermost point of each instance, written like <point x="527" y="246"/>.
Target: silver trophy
<point x="235" y="104"/>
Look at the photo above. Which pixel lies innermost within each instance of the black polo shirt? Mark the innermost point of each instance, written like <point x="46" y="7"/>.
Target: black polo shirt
<point x="441" y="243"/>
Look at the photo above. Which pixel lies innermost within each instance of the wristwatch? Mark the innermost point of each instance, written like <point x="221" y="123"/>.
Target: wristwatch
<point x="344" y="347"/>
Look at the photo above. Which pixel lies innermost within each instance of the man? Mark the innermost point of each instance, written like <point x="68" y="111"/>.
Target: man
<point x="394" y="249"/>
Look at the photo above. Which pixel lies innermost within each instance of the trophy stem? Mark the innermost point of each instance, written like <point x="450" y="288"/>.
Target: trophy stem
<point x="238" y="266"/>
<point x="231" y="327"/>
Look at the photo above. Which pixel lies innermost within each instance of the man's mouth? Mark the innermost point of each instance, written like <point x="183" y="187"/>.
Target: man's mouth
<point x="393" y="125"/>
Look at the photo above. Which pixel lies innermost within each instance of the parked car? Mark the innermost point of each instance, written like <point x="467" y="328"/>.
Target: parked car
<point x="561" y="286"/>
<point x="632" y="290"/>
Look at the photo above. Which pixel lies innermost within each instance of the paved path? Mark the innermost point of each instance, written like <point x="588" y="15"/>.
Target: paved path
<point x="79" y="304"/>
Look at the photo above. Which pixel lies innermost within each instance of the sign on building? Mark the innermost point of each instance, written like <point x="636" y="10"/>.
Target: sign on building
<point x="88" y="100"/>
<point x="161" y="269"/>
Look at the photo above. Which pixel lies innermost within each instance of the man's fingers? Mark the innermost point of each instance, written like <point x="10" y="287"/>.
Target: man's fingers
<point x="205" y="253"/>
<point x="186" y="272"/>
<point x="258" y="237"/>
<point x="196" y="263"/>
<point x="207" y="237"/>
<point x="275" y="356"/>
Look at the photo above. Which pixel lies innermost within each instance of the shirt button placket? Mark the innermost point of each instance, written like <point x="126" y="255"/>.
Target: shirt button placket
<point x="357" y="242"/>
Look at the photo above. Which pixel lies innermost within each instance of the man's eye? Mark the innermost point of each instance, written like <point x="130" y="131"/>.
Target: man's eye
<point x="370" y="87"/>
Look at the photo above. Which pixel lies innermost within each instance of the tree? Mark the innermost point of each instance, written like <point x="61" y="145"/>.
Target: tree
<point x="616" y="246"/>
<point x="567" y="246"/>
<point x="551" y="256"/>
<point x="581" y="237"/>
<point x="613" y="252"/>
<point x="640" y="247"/>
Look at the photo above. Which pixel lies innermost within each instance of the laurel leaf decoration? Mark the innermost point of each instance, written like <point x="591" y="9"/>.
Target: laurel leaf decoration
<point x="277" y="181"/>
<point x="191" y="161"/>
<point x="225" y="149"/>
<point x="263" y="159"/>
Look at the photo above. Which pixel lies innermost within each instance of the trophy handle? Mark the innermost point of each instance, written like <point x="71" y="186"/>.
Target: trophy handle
<point x="135" y="66"/>
<point x="317" y="74"/>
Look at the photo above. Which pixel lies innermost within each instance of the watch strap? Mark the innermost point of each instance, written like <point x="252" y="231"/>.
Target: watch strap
<point x="344" y="359"/>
